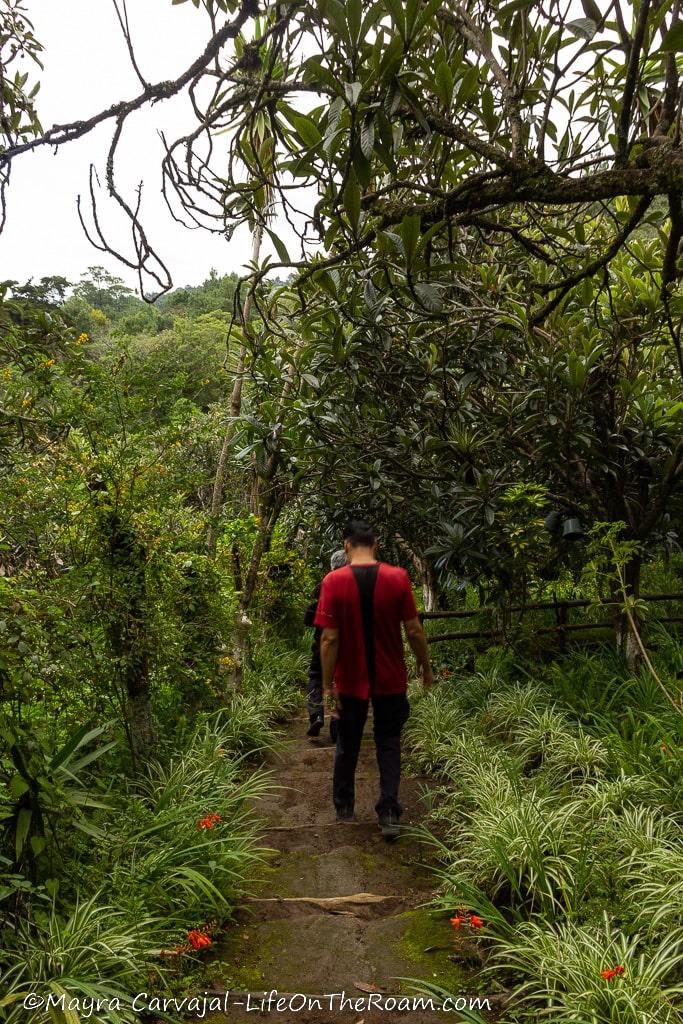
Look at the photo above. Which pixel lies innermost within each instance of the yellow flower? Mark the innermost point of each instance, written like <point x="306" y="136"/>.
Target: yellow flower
<point x="7" y="373"/>
<point x="26" y="403"/>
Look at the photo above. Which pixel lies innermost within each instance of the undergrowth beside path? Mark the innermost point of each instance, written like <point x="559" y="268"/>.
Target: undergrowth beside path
<point x="558" y="822"/>
<point x="159" y="865"/>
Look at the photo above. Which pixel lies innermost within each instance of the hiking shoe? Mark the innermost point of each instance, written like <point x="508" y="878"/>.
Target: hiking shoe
<point x="345" y="814"/>
<point x="389" y="825"/>
<point x="315" y="726"/>
<point x="334" y="729"/>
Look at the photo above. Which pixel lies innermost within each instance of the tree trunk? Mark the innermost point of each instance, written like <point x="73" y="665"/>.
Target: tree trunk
<point x="430" y="590"/>
<point x="235" y="409"/>
<point x="627" y="643"/>
<point x="240" y="654"/>
<point x="128" y="633"/>
<point x="427" y="575"/>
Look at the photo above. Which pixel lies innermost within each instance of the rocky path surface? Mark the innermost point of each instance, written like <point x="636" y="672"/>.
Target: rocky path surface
<point x="336" y="925"/>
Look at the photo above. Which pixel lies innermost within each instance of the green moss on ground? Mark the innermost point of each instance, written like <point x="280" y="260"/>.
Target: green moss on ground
<point x="422" y="931"/>
<point x="245" y="965"/>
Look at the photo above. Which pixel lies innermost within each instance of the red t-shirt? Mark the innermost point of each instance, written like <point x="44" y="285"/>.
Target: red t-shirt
<point x="392" y="603"/>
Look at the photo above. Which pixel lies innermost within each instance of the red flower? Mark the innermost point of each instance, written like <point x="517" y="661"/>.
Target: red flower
<point x="610" y="972"/>
<point x="467" y="917"/>
<point x="446" y="673"/>
<point x="208" y="822"/>
<point x="198" y="939"/>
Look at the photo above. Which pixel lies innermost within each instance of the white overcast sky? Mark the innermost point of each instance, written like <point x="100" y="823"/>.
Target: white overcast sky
<point x="87" y="69"/>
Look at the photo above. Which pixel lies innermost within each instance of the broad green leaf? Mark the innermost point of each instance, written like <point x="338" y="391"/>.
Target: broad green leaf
<point x="306" y="129"/>
<point x="592" y="11"/>
<point x="280" y="246"/>
<point x="391" y="60"/>
<point x="353" y="91"/>
<point x="488" y="110"/>
<point x="23" y="825"/>
<point x="468" y="84"/>
<point x="38" y="844"/>
<point x="444" y="83"/>
<point x="512" y="8"/>
<point x="354" y="16"/>
<point x="367" y="138"/>
<point x="429" y="296"/>
<point x="18" y="786"/>
<point x="673" y="40"/>
<point x="397" y="10"/>
<point x="583" y="28"/>
<point x="336" y="15"/>
<point x="65" y="1016"/>
<point x="370" y="294"/>
<point x="410" y="231"/>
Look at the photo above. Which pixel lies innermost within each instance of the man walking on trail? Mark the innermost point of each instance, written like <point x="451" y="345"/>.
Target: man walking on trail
<point x="315" y="672"/>
<point x="360" y="610"/>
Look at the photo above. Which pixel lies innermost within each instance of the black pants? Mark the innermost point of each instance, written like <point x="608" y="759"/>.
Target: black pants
<point x="315" y="693"/>
<point x="390" y="715"/>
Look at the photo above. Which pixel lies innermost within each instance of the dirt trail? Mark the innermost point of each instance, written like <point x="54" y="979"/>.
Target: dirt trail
<point x="296" y="938"/>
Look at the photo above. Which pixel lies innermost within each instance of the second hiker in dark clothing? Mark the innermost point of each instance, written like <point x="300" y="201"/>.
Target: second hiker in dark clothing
<point x="315" y="672"/>
<point x="361" y="610"/>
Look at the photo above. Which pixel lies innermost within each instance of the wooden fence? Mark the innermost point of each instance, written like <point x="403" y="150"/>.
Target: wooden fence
<point x="562" y="625"/>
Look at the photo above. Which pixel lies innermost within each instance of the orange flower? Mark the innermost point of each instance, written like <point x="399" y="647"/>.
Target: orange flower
<point x="446" y="673"/>
<point x="467" y="917"/>
<point x="611" y="972"/>
<point x="208" y="822"/>
<point x="198" y="939"/>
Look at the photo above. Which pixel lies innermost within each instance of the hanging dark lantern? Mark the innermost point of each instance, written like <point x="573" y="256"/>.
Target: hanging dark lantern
<point x="572" y="529"/>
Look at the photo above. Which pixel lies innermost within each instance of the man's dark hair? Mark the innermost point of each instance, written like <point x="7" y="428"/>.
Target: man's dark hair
<point x="359" y="534"/>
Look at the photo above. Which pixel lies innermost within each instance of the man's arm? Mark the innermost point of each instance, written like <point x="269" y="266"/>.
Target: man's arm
<point x="418" y="642"/>
<point x="329" y="649"/>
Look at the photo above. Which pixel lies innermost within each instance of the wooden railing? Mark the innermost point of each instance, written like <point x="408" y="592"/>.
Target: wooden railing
<point x="562" y="625"/>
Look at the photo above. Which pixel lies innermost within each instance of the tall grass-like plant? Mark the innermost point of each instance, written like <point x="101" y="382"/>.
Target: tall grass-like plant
<point x="97" y="952"/>
<point x="514" y="704"/>
<point x="436" y="723"/>
<point x="166" y="856"/>
<point x="657" y="881"/>
<point x="516" y="846"/>
<point x="603" y="795"/>
<point x="538" y="732"/>
<point x="474" y="762"/>
<point x="574" y="758"/>
<point x="471" y="692"/>
<point x="562" y="966"/>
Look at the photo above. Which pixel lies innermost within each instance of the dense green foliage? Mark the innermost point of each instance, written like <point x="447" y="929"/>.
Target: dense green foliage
<point x="119" y="733"/>
<point x="482" y="327"/>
